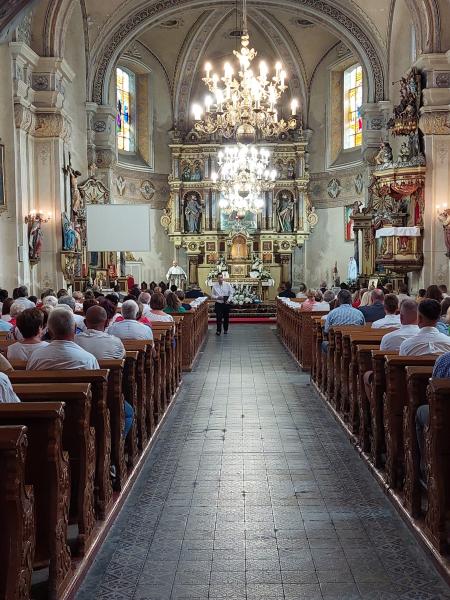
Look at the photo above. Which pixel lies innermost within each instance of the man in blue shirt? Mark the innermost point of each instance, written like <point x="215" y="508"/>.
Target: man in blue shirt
<point x="344" y="314"/>
<point x="374" y="311"/>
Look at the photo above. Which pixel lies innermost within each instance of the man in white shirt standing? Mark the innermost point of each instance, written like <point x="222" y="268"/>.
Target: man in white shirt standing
<point x="129" y="328"/>
<point x="391" y="319"/>
<point x="222" y="293"/>
<point x="62" y="352"/>
<point x="408" y="319"/>
<point x="429" y="340"/>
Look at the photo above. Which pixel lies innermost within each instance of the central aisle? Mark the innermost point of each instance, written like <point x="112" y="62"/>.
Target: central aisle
<point x="253" y="492"/>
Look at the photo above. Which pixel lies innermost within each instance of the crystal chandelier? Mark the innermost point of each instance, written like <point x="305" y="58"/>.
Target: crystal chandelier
<point x="242" y="178"/>
<point x="245" y="105"/>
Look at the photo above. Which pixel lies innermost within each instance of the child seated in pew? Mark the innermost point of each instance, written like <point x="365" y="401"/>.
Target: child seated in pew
<point x="30" y="324"/>
<point x="6" y="390"/>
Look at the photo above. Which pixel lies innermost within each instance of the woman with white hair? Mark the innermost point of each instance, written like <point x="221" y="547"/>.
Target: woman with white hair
<point x="50" y="302"/>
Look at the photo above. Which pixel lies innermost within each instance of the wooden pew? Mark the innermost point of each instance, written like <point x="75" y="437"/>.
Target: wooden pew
<point x="305" y="339"/>
<point x="395" y="400"/>
<point x="47" y="470"/>
<point x="417" y="379"/>
<point x="17" y="522"/>
<point x="79" y="442"/>
<point x="194" y="331"/>
<point x="129" y="387"/>
<point x="438" y="463"/>
<point x="145" y="391"/>
<point x="100" y="421"/>
<point x="167" y="361"/>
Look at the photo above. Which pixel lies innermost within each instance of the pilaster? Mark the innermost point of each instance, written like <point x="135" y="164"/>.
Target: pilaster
<point x="435" y="125"/>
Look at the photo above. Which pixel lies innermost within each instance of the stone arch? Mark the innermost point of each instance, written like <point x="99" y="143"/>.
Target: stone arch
<point x="426" y="19"/>
<point x="341" y="23"/>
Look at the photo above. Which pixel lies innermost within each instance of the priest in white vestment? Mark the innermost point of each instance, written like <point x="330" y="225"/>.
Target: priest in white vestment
<point x="176" y="275"/>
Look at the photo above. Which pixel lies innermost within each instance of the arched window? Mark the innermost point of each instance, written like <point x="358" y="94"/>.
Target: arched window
<point x="126" y="114"/>
<point x="352" y="106"/>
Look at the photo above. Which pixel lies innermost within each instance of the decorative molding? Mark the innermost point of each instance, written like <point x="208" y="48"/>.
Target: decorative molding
<point x="435" y="123"/>
<point x="147" y="189"/>
<point x="24" y="118"/>
<point x="322" y="9"/>
<point x="105" y="158"/>
<point x="52" y="125"/>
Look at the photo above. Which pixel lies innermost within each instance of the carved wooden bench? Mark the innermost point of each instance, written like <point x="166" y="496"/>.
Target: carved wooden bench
<point x="17" y="522"/>
<point x="100" y="420"/>
<point x="47" y="470"/>
<point x="79" y="442"/>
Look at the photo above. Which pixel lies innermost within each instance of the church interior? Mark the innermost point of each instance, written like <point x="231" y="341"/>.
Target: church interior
<point x="234" y="202"/>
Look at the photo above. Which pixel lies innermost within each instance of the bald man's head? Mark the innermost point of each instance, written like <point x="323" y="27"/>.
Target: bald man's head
<point x="96" y="318"/>
<point x="408" y="312"/>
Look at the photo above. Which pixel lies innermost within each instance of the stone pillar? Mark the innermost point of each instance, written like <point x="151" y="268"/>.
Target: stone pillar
<point x="104" y="127"/>
<point x="435" y="126"/>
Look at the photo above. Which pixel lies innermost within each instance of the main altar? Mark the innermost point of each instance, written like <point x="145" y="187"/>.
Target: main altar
<point x="196" y="224"/>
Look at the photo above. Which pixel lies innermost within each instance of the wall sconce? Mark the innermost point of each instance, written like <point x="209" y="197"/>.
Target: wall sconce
<point x="443" y="215"/>
<point x="37" y="216"/>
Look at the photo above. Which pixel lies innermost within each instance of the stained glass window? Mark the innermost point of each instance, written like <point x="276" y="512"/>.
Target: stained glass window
<point x="352" y="106"/>
<point x="125" y="127"/>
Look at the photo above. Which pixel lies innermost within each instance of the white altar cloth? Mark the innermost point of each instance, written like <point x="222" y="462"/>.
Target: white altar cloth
<point x="398" y="231"/>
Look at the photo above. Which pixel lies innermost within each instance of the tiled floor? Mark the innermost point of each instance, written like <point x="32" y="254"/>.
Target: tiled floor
<point x="253" y="492"/>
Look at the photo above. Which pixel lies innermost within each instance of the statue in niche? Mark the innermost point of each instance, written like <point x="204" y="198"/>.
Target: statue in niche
<point x="75" y="195"/>
<point x="193" y="212"/>
<point x="285" y="211"/>
<point x="69" y="234"/>
<point x="35" y="239"/>
<point x="384" y="155"/>
<point x="291" y="170"/>
<point x="404" y="153"/>
<point x="197" y="174"/>
<point x="239" y="248"/>
<point x="187" y="173"/>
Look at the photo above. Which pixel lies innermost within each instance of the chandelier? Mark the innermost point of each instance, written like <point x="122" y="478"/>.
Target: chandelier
<point x="241" y="106"/>
<point x="242" y="178"/>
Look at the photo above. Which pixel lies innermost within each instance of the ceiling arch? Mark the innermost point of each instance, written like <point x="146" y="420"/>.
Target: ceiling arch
<point x="332" y="17"/>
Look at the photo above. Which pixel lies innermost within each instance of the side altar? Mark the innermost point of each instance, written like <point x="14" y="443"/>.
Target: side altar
<point x="196" y="224"/>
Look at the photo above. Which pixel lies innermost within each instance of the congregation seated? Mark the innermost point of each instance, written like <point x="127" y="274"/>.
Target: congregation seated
<point x="194" y="292"/>
<point x="444" y="290"/>
<point x="408" y="327"/>
<point x="375" y="310"/>
<point x="96" y="340"/>
<point x="302" y="291"/>
<point x="3" y="295"/>
<point x="103" y="346"/>
<point x="173" y="304"/>
<point x="20" y="297"/>
<point x="392" y="319"/>
<point x="6" y="390"/>
<point x="344" y="313"/>
<point x="443" y="323"/>
<point x="129" y="327"/>
<point x="70" y="302"/>
<point x="78" y="297"/>
<point x="157" y="306"/>
<point x="287" y="291"/>
<point x="429" y="340"/>
<point x="6" y="308"/>
<point x="62" y="352"/>
<point x="30" y="324"/>
<point x="181" y="296"/>
<point x="402" y="293"/>
<point x="5" y="365"/>
<point x="49" y="302"/>
<point x="144" y="299"/>
<point x="310" y="301"/>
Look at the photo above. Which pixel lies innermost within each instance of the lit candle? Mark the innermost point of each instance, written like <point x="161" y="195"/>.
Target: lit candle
<point x="208" y="68"/>
<point x="294" y="106"/>
<point x="208" y="102"/>
<point x="263" y="70"/>
<point x="282" y="78"/>
<point x="197" y="110"/>
<point x="278" y="68"/>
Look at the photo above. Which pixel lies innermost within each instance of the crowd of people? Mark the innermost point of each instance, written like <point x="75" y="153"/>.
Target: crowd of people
<point x="60" y="331"/>
<point x="417" y="325"/>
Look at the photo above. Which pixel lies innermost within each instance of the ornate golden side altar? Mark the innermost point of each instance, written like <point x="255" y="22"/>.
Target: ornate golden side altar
<point x="194" y="221"/>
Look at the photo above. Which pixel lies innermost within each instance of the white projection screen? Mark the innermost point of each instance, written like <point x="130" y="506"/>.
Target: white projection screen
<point x="118" y="228"/>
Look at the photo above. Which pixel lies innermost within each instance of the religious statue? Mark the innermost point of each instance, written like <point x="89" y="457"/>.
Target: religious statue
<point x="291" y="170"/>
<point x="285" y="212"/>
<point x="336" y="278"/>
<point x="384" y="155"/>
<point x="193" y="211"/>
<point x="78" y="242"/>
<point x="186" y="174"/>
<point x="352" y="271"/>
<point x="69" y="234"/>
<point x="197" y="174"/>
<point x="176" y="275"/>
<point x="35" y="236"/>
<point x="356" y="207"/>
<point x="257" y="265"/>
<point x="75" y="195"/>
<point x="404" y="153"/>
<point x="221" y="265"/>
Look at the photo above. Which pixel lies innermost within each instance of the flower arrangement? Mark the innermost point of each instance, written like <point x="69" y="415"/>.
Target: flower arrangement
<point x="243" y="296"/>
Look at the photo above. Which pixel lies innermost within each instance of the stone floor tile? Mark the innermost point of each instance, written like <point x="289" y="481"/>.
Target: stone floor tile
<point x="253" y="492"/>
